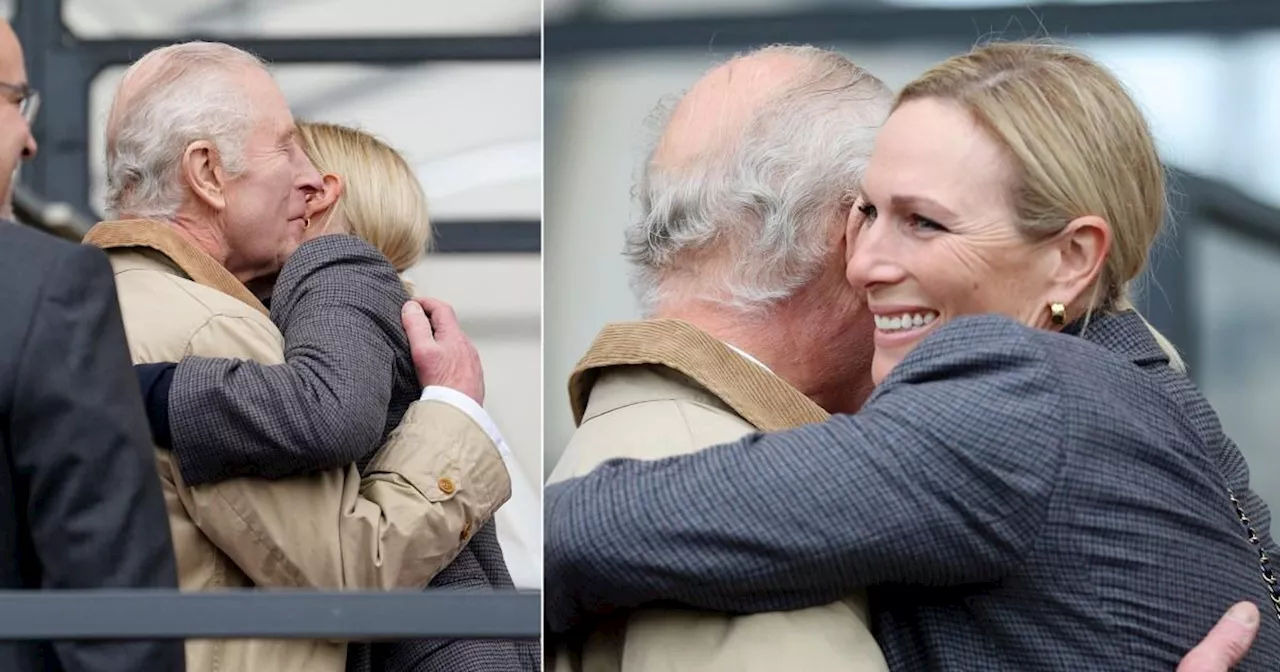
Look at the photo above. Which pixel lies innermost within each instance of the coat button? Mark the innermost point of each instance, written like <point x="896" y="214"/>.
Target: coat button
<point x="466" y="532"/>
<point x="446" y="485"/>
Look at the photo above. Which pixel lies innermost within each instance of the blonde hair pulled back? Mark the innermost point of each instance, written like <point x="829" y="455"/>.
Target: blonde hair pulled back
<point x="382" y="201"/>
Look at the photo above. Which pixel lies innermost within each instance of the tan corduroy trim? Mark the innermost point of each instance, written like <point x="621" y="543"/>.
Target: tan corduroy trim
<point x="192" y="261"/>
<point x="760" y="397"/>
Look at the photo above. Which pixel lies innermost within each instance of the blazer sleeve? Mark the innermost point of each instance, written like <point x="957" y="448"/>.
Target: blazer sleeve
<point x="437" y="479"/>
<point x="337" y="303"/>
<point x="82" y="450"/>
<point x="942" y="479"/>
<point x="467" y="572"/>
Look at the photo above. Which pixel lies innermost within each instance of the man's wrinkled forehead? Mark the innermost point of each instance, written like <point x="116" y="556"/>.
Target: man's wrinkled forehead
<point x="721" y="104"/>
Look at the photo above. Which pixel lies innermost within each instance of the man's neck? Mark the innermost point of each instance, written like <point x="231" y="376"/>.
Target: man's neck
<point x="206" y="238"/>
<point x="784" y="344"/>
<point x="212" y="242"/>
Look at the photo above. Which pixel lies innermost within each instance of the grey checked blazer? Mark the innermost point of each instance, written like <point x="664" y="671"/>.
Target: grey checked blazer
<point x="1012" y="499"/>
<point x="348" y="382"/>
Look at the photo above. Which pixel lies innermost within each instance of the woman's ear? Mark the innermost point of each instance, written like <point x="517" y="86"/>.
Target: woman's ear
<point x="320" y="205"/>
<point x="202" y="171"/>
<point x="1081" y="254"/>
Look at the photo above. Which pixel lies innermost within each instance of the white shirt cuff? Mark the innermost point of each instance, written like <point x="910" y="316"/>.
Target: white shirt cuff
<point x="473" y="410"/>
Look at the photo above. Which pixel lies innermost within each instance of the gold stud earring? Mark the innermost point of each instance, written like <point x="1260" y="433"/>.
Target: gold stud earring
<point x="1058" y="313"/>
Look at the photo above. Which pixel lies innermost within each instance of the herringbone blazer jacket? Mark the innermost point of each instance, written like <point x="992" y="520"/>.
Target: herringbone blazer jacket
<point x="1011" y="498"/>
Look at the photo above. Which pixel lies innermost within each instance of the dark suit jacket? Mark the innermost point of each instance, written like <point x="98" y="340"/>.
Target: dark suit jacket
<point x="347" y="383"/>
<point x="80" y="503"/>
<point x="1013" y="499"/>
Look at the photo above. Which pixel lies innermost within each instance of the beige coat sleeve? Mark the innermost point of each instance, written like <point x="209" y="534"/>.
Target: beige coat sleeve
<point x="438" y="477"/>
<point x="434" y="482"/>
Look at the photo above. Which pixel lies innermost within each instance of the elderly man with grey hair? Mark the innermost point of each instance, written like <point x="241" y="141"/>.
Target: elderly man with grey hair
<point x="738" y="263"/>
<point x="210" y="189"/>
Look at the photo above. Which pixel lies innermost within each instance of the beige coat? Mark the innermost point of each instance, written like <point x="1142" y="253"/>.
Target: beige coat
<point x="437" y="477"/>
<point x="654" y="389"/>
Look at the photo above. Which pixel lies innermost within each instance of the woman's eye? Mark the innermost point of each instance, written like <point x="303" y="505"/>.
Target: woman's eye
<point x="926" y="224"/>
<point x="868" y="211"/>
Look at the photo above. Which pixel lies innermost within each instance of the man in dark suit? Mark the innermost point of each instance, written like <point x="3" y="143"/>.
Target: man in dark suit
<point x="80" y="504"/>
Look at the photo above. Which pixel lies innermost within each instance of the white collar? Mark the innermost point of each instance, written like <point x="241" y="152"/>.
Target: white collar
<point x="742" y="352"/>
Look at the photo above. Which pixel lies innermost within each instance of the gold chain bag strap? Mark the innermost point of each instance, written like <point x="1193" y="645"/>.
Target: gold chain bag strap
<point x="1264" y="560"/>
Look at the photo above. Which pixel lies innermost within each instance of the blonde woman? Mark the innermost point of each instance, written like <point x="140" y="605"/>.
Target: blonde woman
<point x="387" y="209"/>
<point x="1034" y="484"/>
<point x="348" y="379"/>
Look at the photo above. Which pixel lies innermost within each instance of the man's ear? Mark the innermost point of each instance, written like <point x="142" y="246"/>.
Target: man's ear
<point x="1080" y="254"/>
<point x="202" y="171"/>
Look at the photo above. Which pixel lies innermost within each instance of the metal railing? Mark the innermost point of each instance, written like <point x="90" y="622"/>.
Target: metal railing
<point x="348" y="616"/>
<point x="60" y="219"/>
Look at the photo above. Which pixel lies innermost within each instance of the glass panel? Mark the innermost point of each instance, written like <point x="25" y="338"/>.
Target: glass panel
<point x="1177" y="82"/>
<point x="1250" y="161"/>
<point x="1238" y="319"/>
<point x="473" y="131"/>
<point x="297" y="18"/>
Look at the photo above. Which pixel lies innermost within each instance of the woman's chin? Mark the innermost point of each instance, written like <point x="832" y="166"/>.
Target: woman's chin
<point x="893" y="346"/>
<point x="881" y="367"/>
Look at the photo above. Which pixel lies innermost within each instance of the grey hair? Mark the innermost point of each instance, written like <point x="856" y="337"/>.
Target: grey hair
<point x="175" y="95"/>
<point x="769" y="200"/>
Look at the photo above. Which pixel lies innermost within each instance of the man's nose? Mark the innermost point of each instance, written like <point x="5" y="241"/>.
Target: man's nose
<point x="29" y="147"/>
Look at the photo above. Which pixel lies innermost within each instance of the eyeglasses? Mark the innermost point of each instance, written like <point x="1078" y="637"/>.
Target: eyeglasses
<point x="26" y="98"/>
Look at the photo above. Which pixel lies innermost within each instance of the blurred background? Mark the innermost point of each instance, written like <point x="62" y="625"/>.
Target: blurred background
<point x="462" y="101"/>
<point x="1203" y="70"/>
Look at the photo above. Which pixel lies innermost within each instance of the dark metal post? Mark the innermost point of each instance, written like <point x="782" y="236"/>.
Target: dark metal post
<point x="283" y="614"/>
